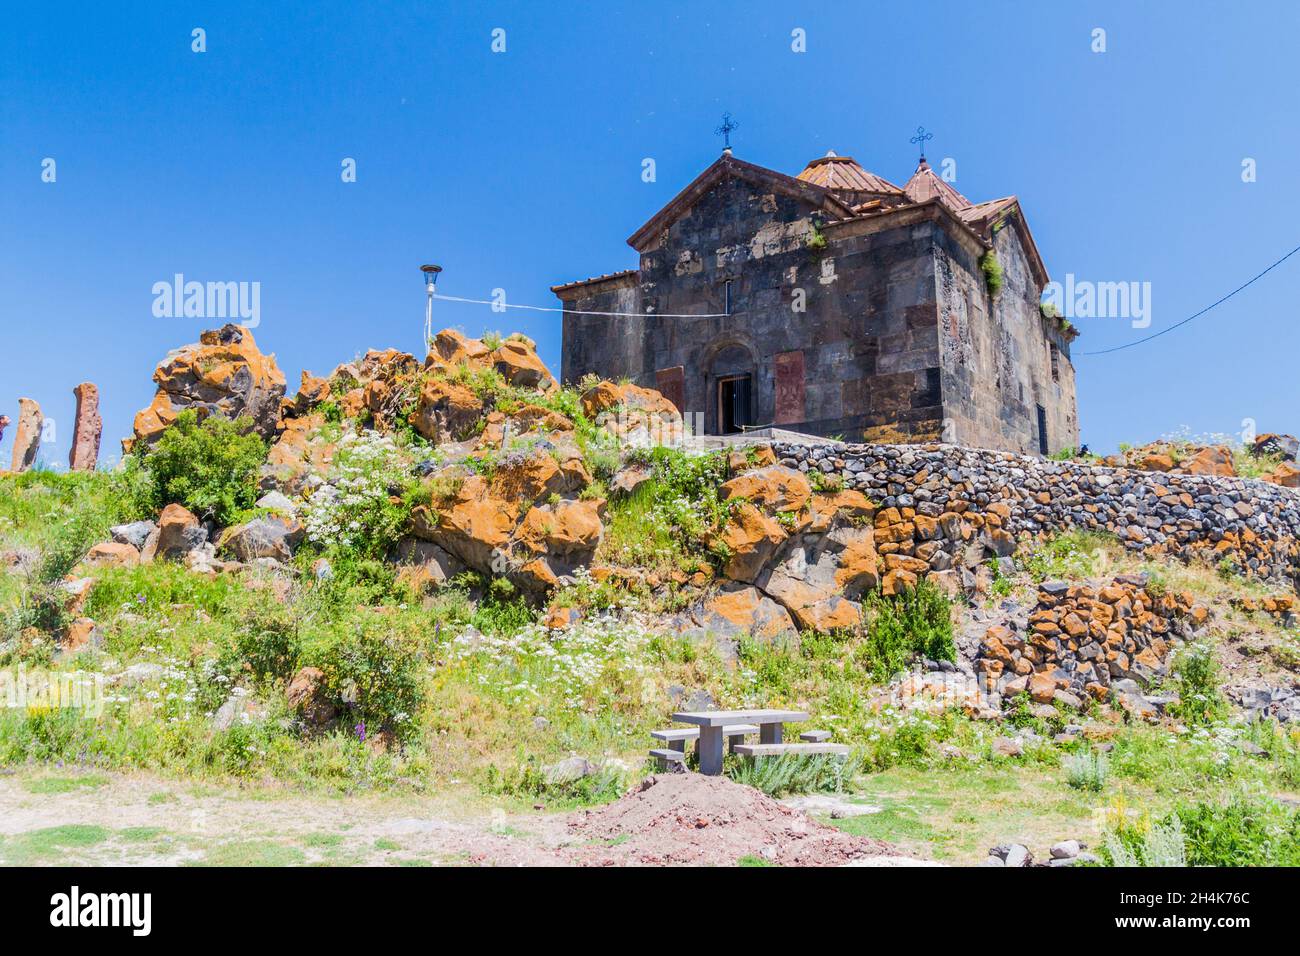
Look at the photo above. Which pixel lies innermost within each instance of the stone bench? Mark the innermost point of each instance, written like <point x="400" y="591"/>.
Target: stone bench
<point x="667" y="756"/>
<point x="778" y="750"/>
<point x="676" y="737"/>
<point x="815" y="736"/>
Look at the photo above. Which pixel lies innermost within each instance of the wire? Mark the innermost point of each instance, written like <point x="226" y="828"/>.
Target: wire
<point x="1194" y="315"/>
<point x="542" y="308"/>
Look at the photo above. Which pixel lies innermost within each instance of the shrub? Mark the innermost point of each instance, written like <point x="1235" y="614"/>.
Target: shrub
<point x="1197" y="678"/>
<point x="528" y="779"/>
<point x="899" y="628"/>
<point x="374" y="674"/>
<point x="790" y="773"/>
<point x="1087" y="771"/>
<point x="362" y="507"/>
<point x="267" y="636"/>
<point x="210" y="467"/>
<point x="992" y="270"/>
<point x="1241" y="833"/>
<point x="1154" y="845"/>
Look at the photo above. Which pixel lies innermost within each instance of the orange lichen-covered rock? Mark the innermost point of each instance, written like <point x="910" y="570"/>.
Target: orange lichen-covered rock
<point x="223" y="373"/>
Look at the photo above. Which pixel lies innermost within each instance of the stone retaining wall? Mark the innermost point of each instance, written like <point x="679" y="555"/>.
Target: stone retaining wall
<point x="1252" y="524"/>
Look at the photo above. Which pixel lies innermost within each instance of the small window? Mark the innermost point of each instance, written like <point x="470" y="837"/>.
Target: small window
<point x="1042" y="430"/>
<point x="1056" y="363"/>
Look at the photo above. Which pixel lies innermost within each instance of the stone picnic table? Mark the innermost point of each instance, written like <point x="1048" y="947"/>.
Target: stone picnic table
<point x="711" y="723"/>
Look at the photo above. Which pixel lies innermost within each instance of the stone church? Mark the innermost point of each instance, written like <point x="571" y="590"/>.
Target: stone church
<point x="838" y="304"/>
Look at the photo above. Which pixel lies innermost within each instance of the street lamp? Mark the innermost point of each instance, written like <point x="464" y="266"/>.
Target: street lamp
<point x="430" y="287"/>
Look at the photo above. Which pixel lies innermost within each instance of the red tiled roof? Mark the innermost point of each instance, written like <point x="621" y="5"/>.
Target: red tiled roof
<point x="843" y="173"/>
<point x="924" y="185"/>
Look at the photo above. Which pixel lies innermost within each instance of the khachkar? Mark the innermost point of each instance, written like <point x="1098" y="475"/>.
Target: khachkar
<point x="27" y="440"/>
<point x="89" y="425"/>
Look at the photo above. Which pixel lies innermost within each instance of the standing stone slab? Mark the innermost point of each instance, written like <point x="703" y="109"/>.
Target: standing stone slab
<point x="27" y="440"/>
<point x="87" y="430"/>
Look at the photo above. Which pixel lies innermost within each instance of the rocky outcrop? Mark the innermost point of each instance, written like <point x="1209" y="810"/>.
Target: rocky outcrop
<point x="223" y="373"/>
<point x="87" y="428"/>
<point x="27" y="438"/>
<point x="638" y="417"/>
<point x="813" y="552"/>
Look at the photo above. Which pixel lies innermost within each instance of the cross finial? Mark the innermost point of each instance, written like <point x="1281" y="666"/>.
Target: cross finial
<point x="919" y="139"/>
<point x="725" y="131"/>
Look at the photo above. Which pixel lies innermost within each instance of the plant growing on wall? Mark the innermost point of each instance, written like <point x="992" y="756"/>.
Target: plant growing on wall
<point x="992" y="270"/>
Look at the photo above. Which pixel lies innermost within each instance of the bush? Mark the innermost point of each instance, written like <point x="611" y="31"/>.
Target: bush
<point x="1241" y="833"/>
<point x="790" y="773"/>
<point x="210" y="467"/>
<point x="1197" y="678"/>
<point x="362" y="507"/>
<point x="992" y="270"/>
<point x="1162" y="844"/>
<point x="1087" y="771"/>
<point x="915" y="623"/>
<point x="375" y="674"/>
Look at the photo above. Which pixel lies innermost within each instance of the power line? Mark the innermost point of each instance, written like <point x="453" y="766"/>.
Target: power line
<point x="1212" y="305"/>
<point x="542" y="308"/>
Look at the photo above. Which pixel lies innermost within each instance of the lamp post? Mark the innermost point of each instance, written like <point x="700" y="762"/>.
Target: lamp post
<point x="430" y="287"/>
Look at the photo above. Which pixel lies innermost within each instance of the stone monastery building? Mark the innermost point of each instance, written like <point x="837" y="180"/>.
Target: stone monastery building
<point x="838" y="304"/>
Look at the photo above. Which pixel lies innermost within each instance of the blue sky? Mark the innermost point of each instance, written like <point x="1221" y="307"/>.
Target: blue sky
<point x="522" y="169"/>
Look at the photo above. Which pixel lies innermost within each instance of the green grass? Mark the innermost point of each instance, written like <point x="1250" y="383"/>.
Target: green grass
<point x="65" y="784"/>
<point x="51" y="844"/>
<point x="253" y="853"/>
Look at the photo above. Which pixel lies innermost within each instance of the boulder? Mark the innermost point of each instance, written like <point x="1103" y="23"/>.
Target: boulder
<point x="273" y="537"/>
<point x="307" y="695"/>
<point x="568" y="529"/>
<point x="79" y="635"/>
<point x="223" y="373"/>
<point x="135" y="534"/>
<point x="817" y="577"/>
<point x="737" y="609"/>
<point x="774" y="488"/>
<point x="86" y="429"/>
<point x="1286" y="446"/>
<point x="751" y="539"/>
<point x="179" y="533"/>
<point x="445" y="411"/>
<point x="451" y="349"/>
<point x="27" y="439"/>
<point x="517" y="362"/>
<point x="111" y="554"/>
<point x="1210" y="460"/>
<point x="469" y="522"/>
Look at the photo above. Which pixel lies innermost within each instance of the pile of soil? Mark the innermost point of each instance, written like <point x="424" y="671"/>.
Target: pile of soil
<point x="693" y="820"/>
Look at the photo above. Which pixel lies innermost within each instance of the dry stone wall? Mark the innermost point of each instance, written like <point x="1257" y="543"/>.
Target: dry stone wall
<point x="1253" y="525"/>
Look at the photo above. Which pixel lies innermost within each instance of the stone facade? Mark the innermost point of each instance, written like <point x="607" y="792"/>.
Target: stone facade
<point x="818" y="315"/>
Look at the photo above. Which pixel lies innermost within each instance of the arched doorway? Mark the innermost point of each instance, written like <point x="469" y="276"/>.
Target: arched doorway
<point x="731" y="389"/>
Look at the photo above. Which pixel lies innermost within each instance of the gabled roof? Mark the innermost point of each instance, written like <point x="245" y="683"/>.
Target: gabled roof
<point x="727" y="165"/>
<point x="842" y="173"/>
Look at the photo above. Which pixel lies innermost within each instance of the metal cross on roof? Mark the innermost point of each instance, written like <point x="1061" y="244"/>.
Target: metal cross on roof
<point x="725" y="130"/>
<point x="920" y="138"/>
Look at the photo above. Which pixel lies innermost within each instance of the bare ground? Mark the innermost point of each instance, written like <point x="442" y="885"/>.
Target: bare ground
<point x="683" y="819"/>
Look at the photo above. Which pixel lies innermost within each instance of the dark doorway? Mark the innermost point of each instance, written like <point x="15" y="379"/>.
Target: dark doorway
<point x="733" y="403"/>
<point x="1042" y="430"/>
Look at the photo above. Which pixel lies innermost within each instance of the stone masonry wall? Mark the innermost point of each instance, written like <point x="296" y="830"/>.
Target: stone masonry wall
<point x="1252" y="524"/>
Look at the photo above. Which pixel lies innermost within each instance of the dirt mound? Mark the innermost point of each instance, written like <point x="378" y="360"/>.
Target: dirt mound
<point x="689" y="819"/>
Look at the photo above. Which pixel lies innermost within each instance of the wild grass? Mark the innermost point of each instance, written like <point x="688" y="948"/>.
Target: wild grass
<point x="791" y="773"/>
